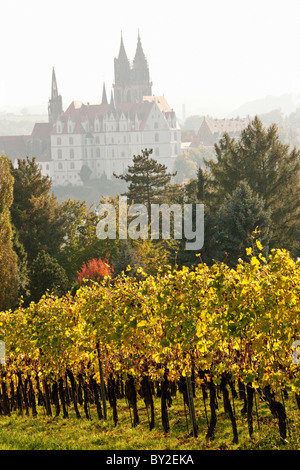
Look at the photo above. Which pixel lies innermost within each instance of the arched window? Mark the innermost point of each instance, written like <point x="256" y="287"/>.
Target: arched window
<point x="157" y="152"/>
<point x="60" y="166"/>
<point x="59" y="153"/>
<point x="71" y="153"/>
<point x="98" y="152"/>
<point x="71" y="141"/>
<point x="156" y="137"/>
<point x="58" y="141"/>
<point x="156" y="125"/>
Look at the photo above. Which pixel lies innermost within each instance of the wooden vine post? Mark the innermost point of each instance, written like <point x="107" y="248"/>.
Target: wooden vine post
<point x="102" y="384"/>
<point x="191" y="406"/>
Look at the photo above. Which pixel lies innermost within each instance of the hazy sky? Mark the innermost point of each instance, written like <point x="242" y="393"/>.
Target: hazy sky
<point x="210" y="55"/>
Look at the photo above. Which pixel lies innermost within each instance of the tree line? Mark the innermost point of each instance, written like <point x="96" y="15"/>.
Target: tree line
<point x="252" y="183"/>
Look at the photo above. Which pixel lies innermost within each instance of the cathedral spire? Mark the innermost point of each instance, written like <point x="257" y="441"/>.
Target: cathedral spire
<point x="140" y="58"/>
<point x="55" y="102"/>
<point x="112" y="107"/>
<point x="122" y="74"/>
<point x="122" y="53"/>
<point x="140" y="73"/>
<point x="54" y="90"/>
<point x="104" y="97"/>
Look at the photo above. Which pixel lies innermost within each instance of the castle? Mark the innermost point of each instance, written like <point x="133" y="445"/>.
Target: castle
<point x="90" y="140"/>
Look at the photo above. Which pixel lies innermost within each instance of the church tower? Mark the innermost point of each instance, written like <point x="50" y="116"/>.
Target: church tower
<point x="122" y="90"/>
<point x="131" y="83"/>
<point x="140" y="77"/>
<point x="55" y="102"/>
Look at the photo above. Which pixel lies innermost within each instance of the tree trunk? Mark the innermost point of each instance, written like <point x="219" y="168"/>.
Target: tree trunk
<point x="32" y="401"/>
<point x="146" y="388"/>
<point x="228" y="409"/>
<point x="213" y="416"/>
<point x="55" y="398"/>
<point x="96" y="398"/>
<point x="278" y="411"/>
<point x="62" y="397"/>
<point x="191" y="405"/>
<point x="102" y="384"/>
<point x="47" y="398"/>
<point x="74" y="392"/>
<point x="250" y="394"/>
<point x="132" y="399"/>
<point x="164" y="400"/>
<point x="111" y="385"/>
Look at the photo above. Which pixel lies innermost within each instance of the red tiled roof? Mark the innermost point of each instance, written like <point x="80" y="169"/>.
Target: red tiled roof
<point x="41" y="129"/>
<point x="79" y="112"/>
<point x="15" y="142"/>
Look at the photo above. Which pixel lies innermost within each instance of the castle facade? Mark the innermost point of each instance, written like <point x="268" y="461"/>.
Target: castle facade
<point x="91" y="140"/>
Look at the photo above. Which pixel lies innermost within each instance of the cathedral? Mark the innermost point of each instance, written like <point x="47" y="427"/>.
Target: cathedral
<point x="90" y="140"/>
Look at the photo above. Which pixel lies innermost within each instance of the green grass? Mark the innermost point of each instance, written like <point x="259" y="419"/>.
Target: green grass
<point x="46" y="433"/>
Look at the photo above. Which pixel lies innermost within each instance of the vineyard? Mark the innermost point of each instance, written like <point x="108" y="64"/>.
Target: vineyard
<point x="207" y="332"/>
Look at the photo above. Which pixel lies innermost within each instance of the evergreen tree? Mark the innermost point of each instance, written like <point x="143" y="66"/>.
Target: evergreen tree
<point x="46" y="274"/>
<point x="8" y="257"/>
<point x="147" y="180"/>
<point x="125" y="256"/>
<point x="237" y="219"/>
<point x="36" y="213"/>
<point x="23" y="271"/>
<point x="200" y="184"/>
<point x="271" y="170"/>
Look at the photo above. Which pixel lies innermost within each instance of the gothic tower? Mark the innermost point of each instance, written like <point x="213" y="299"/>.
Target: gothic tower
<point x="55" y="102"/>
<point x="131" y="83"/>
<point x="122" y="90"/>
<point x="140" y="77"/>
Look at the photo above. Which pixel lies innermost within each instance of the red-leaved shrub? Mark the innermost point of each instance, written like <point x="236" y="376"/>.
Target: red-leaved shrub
<point x="95" y="269"/>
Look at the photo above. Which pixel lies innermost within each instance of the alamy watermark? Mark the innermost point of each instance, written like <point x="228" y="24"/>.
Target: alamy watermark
<point x="2" y="352"/>
<point x="296" y="353"/>
<point x="166" y="222"/>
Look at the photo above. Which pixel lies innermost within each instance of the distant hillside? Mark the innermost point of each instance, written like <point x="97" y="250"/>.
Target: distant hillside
<point x="11" y="124"/>
<point x="288" y="103"/>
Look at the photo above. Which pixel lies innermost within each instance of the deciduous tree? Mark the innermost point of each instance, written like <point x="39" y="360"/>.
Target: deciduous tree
<point x="8" y="257"/>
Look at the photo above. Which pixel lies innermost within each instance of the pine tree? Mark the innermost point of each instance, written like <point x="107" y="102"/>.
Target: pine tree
<point x="8" y="257"/>
<point x="148" y="180"/>
<point x="239" y="216"/>
<point x="271" y="170"/>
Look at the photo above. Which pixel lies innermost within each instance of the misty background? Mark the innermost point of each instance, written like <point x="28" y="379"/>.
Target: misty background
<point x="218" y="58"/>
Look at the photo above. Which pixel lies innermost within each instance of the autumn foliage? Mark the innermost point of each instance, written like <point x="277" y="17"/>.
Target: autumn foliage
<point x="95" y="269"/>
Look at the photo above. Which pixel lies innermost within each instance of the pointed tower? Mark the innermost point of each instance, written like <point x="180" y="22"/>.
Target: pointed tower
<point x="104" y="97"/>
<point x="55" y="102"/>
<point x="140" y="77"/>
<point x="122" y="76"/>
<point x="112" y="107"/>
